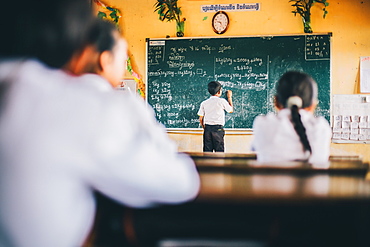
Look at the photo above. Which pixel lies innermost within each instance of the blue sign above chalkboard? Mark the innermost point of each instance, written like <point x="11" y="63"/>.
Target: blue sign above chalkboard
<point x="178" y="71"/>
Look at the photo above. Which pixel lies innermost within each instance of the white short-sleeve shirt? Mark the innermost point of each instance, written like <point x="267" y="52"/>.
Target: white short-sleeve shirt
<point x="213" y="110"/>
<point x="276" y="140"/>
<point x="62" y="137"/>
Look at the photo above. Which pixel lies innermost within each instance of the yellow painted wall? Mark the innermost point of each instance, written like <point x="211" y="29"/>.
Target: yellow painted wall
<point x="348" y="20"/>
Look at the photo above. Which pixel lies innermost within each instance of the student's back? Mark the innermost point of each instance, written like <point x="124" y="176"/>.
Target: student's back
<point x="60" y="141"/>
<point x="62" y="137"/>
<point x="212" y="117"/>
<point x="276" y="140"/>
<point x="294" y="133"/>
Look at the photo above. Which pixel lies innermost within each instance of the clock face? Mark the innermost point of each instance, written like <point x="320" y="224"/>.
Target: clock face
<point x="220" y="22"/>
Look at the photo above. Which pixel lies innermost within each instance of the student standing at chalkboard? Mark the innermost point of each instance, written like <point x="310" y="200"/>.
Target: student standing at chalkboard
<point x="294" y="133"/>
<point x="212" y="117"/>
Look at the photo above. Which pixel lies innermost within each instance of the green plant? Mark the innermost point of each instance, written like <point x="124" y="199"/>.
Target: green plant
<point x="168" y="10"/>
<point x="113" y="16"/>
<point x="303" y="8"/>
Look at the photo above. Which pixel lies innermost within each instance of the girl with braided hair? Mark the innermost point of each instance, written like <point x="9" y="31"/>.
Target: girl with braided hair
<point x="294" y="133"/>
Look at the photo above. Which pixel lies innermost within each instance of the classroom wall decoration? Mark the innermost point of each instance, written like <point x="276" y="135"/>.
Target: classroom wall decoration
<point x="303" y="8"/>
<point x="230" y="7"/>
<point x="138" y="79"/>
<point x="351" y="118"/>
<point x="114" y="14"/>
<point x="178" y="71"/>
<point x="169" y="10"/>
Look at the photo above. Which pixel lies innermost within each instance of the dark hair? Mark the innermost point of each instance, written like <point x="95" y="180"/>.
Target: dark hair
<point x="101" y="35"/>
<point x="214" y="87"/>
<point x="50" y="31"/>
<point x="295" y="83"/>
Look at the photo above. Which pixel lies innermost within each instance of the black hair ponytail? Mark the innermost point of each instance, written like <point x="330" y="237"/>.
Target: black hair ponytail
<point x="299" y="128"/>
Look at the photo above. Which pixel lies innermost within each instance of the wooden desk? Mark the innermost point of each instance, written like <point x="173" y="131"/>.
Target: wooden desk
<point x="221" y="155"/>
<point x="252" y="155"/>
<point x="284" y="189"/>
<point x="247" y="163"/>
<point x="310" y="208"/>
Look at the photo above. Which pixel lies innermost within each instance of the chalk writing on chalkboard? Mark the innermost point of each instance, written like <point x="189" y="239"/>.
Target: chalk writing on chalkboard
<point x="178" y="71"/>
<point x="317" y="48"/>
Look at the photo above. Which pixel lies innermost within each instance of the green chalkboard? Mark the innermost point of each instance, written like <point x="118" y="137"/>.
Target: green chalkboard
<point x="178" y="71"/>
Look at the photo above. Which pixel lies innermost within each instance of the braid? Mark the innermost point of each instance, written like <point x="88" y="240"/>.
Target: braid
<point x="300" y="129"/>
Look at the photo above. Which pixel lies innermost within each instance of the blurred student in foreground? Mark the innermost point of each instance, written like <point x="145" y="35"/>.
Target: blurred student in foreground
<point x="63" y="137"/>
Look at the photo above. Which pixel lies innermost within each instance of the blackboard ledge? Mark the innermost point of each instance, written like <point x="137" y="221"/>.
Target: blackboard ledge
<point x="199" y="131"/>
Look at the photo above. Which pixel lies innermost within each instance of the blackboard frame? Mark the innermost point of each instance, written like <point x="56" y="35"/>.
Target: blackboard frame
<point x="239" y="130"/>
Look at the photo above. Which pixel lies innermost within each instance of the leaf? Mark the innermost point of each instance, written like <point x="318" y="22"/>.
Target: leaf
<point x="113" y="15"/>
<point x="102" y="15"/>
<point x="167" y="14"/>
<point x="300" y="11"/>
<point x="205" y="18"/>
<point x="168" y="10"/>
<point x="303" y="7"/>
<point x="325" y="13"/>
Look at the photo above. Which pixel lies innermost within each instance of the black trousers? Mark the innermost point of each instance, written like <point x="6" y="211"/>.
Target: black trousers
<point x="213" y="138"/>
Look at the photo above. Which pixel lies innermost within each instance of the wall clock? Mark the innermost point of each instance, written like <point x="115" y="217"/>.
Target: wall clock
<point x="220" y="22"/>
